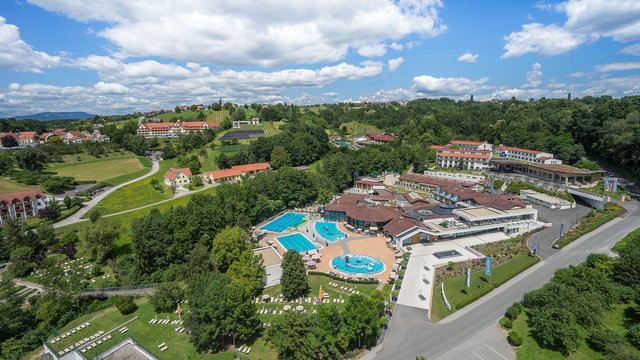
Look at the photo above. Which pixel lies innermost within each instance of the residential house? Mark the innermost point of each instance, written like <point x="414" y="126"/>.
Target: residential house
<point x="235" y="173"/>
<point x="21" y="204"/>
<point x="177" y="177"/>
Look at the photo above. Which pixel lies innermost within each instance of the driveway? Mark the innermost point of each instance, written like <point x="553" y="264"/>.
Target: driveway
<point x="411" y="333"/>
<point x="545" y="238"/>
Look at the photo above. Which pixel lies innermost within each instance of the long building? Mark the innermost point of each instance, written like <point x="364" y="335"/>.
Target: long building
<point x="470" y="155"/>
<point x="235" y="173"/>
<point x="173" y="130"/>
<point x="558" y="173"/>
<point x="532" y="156"/>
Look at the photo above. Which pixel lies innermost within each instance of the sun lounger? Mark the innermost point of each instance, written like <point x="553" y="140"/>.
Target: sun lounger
<point x="274" y="311"/>
<point x="105" y="339"/>
<point x="241" y="348"/>
<point x="280" y="312"/>
<point x="108" y="336"/>
<point x="181" y="330"/>
<point x="84" y="350"/>
<point x="164" y="348"/>
<point x="161" y="345"/>
<point x="124" y="331"/>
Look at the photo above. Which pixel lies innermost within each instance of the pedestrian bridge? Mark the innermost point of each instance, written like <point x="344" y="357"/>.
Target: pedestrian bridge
<point x="597" y="201"/>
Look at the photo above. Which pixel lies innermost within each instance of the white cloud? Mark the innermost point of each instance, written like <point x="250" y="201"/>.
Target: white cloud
<point x="468" y="57"/>
<point x="586" y="20"/>
<point x="448" y="85"/>
<point x="394" y="64"/>
<point x="537" y="38"/>
<point x="534" y="76"/>
<point x="330" y="94"/>
<point x="374" y="50"/>
<point x="631" y="50"/>
<point x="396" y="46"/>
<point x="110" y="88"/>
<point x="18" y="55"/>
<point x="275" y="33"/>
<point x="621" y="66"/>
<point x="578" y="74"/>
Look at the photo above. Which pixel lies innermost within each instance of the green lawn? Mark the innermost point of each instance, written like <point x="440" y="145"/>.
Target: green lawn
<point x="355" y="128"/>
<point x="99" y="169"/>
<point x="149" y="336"/>
<point x="7" y="185"/>
<point x="139" y="193"/>
<point x="614" y="319"/>
<point x="458" y="294"/>
<point x="271" y="128"/>
<point x="146" y="163"/>
<point x="622" y="243"/>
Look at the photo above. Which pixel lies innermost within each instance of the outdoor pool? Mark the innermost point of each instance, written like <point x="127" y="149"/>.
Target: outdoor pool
<point x="297" y="242"/>
<point x="329" y="231"/>
<point x="357" y="264"/>
<point x="287" y="220"/>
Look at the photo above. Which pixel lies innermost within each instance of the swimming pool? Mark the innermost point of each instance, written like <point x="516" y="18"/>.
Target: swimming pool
<point x="329" y="231"/>
<point x="357" y="264"/>
<point x="287" y="220"/>
<point x="297" y="242"/>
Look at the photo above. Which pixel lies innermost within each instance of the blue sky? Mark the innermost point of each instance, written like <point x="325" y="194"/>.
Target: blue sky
<point x="119" y="56"/>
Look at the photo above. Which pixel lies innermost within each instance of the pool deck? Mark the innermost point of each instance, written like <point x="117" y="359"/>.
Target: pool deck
<point x="355" y="243"/>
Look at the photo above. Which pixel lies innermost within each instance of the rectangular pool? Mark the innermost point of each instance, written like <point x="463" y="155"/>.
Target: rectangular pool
<point x="446" y="254"/>
<point x="287" y="220"/>
<point x="297" y="242"/>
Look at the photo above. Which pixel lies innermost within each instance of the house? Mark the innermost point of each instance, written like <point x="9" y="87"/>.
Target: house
<point x="234" y="174"/>
<point x="253" y="121"/>
<point x="532" y="156"/>
<point x="177" y="177"/>
<point x="173" y="130"/>
<point x="21" y="204"/>
<point x="464" y="154"/>
<point x="380" y="138"/>
<point x="28" y="138"/>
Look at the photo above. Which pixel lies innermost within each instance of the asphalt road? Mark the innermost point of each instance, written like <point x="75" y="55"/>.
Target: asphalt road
<point x="411" y="333"/>
<point x="545" y="238"/>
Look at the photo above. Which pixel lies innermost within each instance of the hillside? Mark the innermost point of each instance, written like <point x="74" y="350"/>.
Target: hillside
<point x="50" y="116"/>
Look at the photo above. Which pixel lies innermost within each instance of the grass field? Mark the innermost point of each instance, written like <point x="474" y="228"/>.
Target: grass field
<point x="622" y="243"/>
<point x="146" y="163"/>
<point x="137" y="194"/>
<point x="614" y="319"/>
<point x="8" y="185"/>
<point x="99" y="169"/>
<point x="457" y="293"/>
<point x="271" y="128"/>
<point x="149" y="336"/>
<point x="355" y="128"/>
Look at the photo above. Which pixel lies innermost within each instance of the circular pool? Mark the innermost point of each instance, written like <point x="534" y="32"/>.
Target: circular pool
<point x="357" y="264"/>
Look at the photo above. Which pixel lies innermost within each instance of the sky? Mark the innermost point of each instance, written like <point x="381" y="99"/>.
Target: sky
<point x="120" y="56"/>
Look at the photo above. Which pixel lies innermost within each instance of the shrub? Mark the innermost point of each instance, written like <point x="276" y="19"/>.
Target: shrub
<point x="126" y="305"/>
<point x="512" y="312"/>
<point x="620" y="352"/>
<point x="601" y="338"/>
<point x="506" y="323"/>
<point x="633" y="335"/>
<point x="514" y="339"/>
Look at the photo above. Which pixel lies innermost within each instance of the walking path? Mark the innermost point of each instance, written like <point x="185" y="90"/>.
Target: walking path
<point x="75" y="218"/>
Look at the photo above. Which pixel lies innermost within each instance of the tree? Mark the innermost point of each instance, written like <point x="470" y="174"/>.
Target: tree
<point x="633" y="335"/>
<point x="6" y="163"/>
<point x="198" y="262"/>
<point x="238" y="115"/>
<point x="627" y="270"/>
<point x="242" y="320"/>
<point x="31" y="159"/>
<point x="100" y="241"/>
<point x="228" y="246"/>
<point x="226" y="124"/>
<point x="223" y="161"/>
<point x="8" y="141"/>
<point x="178" y="109"/>
<point x="556" y="328"/>
<point x="209" y="310"/>
<point x="362" y="318"/>
<point x="126" y="305"/>
<point x="68" y="203"/>
<point x="294" y="276"/>
<point x="248" y="271"/>
<point x="601" y="338"/>
<point x="166" y="297"/>
<point x="94" y="215"/>
<point x="279" y="157"/>
<point x="22" y="261"/>
<point x="292" y="335"/>
<point x="201" y="116"/>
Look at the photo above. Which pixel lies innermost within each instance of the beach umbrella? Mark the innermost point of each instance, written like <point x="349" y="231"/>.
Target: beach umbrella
<point x="299" y="308"/>
<point x="398" y="260"/>
<point x="320" y="293"/>
<point x="393" y="276"/>
<point x="265" y="297"/>
<point x="286" y="308"/>
<point x="315" y="256"/>
<point x="398" y="255"/>
<point x="306" y="258"/>
<point x="395" y="267"/>
<point x="311" y="263"/>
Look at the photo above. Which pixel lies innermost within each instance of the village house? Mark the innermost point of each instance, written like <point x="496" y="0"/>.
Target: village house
<point x="177" y="177"/>
<point x="173" y="130"/>
<point x="21" y="204"/>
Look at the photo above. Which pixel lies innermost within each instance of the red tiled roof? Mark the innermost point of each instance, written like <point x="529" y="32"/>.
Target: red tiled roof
<point x="369" y="182"/>
<point x="31" y="193"/>
<point x="222" y="174"/>
<point x="434" y="181"/>
<point x="213" y="124"/>
<point x="158" y="126"/>
<point x="381" y="214"/>
<point x="401" y="224"/>
<point x="344" y="202"/>
<point x="8" y="134"/>
<point x="386" y="137"/>
<point x="173" y="173"/>
<point x="27" y="135"/>
<point x="252" y="167"/>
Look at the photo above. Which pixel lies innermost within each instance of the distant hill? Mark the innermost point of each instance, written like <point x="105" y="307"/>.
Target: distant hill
<point x="63" y="115"/>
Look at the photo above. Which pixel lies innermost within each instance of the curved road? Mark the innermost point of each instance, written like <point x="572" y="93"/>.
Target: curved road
<point x="155" y="167"/>
<point x="411" y="333"/>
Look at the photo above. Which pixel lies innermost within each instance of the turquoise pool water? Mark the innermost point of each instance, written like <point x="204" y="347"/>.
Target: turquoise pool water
<point x="297" y="242"/>
<point x="357" y="264"/>
<point x="329" y="231"/>
<point x="343" y="143"/>
<point x="287" y="220"/>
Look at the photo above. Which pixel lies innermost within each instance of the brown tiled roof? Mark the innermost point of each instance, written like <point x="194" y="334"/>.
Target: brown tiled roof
<point x="252" y="167"/>
<point x="435" y="181"/>
<point x="379" y="214"/>
<point x="21" y="195"/>
<point x="345" y="202"/>
<point x="386" y="137"/>
<point x="173" y="173"/>
<point x="158" y="126"/>
<point x="466" y="142"/>
<point x="401" y="224"/>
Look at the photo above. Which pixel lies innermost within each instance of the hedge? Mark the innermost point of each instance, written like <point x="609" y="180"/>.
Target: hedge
<point x="611" y="211"/>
